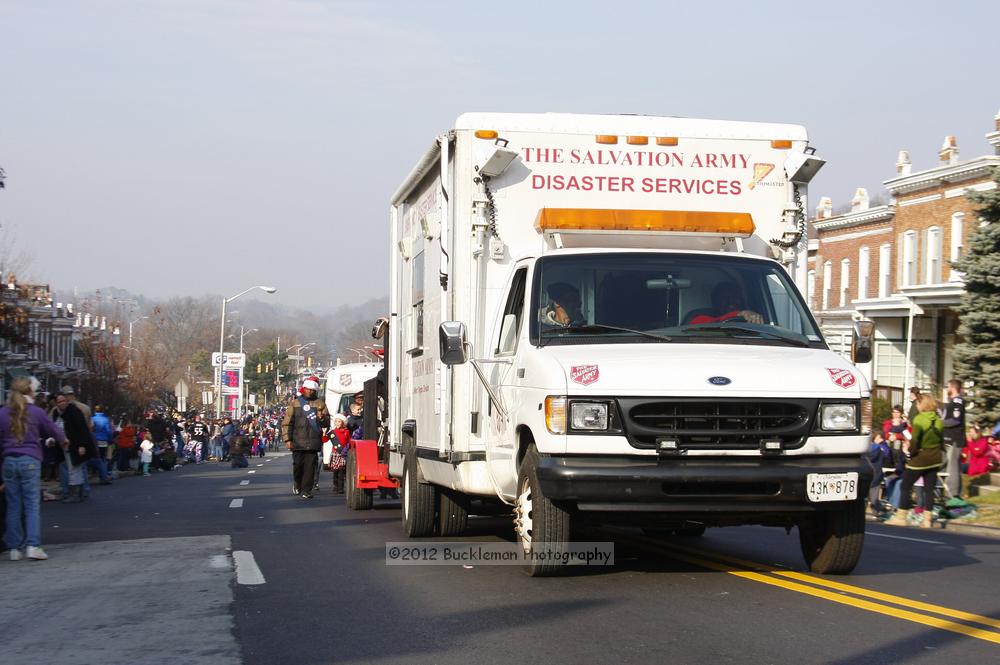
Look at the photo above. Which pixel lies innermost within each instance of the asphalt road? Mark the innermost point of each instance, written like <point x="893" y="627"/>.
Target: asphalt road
<point x="311" y="585"/>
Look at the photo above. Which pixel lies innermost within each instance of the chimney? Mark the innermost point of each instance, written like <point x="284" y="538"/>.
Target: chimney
<point x="903" y="164"/>
<point x="994" y="136"/>
<point x="860" y="200"/>
<point x="825" y="208"/>
<point x="949" y="151"/>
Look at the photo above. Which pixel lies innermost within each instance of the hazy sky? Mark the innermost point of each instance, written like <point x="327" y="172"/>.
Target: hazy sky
<point x="203" y="146"/>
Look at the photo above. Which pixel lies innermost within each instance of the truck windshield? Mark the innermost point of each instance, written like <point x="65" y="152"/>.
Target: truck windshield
<point x="667" y="298"/>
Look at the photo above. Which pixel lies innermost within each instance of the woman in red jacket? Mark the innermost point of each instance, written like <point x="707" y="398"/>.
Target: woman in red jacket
<point x="975" y="455"/>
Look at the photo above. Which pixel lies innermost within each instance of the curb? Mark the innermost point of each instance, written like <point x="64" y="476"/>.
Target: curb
<point x="952" y="527"/>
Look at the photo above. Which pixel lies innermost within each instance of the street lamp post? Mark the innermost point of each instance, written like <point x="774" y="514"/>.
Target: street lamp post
<point x="130" y="324"/>
<point x="222" y="341"/>
<point x="298" y="351"/>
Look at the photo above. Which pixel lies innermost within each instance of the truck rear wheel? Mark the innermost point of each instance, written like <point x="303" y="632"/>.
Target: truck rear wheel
<point x="357" y="499"/>
<point x="453" y="512"/>
<point x="832" y="539"/>
<point x="542" y="527"/>
<point x="419" y="501"/>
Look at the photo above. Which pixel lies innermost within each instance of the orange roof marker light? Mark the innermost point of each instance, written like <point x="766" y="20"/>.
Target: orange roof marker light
<point x="589" y="220"/>
<point x="666" y="140"/>
<point x="781" y="144"/>
<point x="606" y="139"/>
<point x="486" y="134"/>
<point x="637" y="140"/>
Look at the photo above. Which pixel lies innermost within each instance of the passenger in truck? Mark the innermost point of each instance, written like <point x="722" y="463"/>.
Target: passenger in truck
<point x="563" y="309"/>
<point x="727" y="304"/>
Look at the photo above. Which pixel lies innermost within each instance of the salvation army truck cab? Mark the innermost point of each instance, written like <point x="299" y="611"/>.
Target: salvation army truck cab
<point x="596" y="318"/>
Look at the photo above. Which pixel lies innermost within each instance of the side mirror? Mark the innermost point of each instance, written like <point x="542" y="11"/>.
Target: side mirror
<point x="862" y="342"/>
<point x="451" y="339"/>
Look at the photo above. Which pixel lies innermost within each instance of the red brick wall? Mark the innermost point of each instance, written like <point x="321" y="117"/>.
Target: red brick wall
<point x="849" y="248"/>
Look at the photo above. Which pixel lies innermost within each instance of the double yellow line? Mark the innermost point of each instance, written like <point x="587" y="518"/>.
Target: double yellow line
<point x="838" y="592"/>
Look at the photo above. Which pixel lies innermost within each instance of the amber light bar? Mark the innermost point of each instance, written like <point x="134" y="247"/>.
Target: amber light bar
<point x="736" y="224"/>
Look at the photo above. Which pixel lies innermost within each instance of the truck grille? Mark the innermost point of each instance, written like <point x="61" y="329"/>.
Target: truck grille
<point x="719" y="424"/>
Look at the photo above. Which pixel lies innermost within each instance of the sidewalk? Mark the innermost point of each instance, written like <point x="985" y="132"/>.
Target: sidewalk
<point x="158" y="600"/>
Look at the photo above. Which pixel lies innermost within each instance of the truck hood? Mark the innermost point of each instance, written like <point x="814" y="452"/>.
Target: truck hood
<point x="696" y="370"/>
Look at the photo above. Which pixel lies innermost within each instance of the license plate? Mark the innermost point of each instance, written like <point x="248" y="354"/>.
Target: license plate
<point x="832" y="486"/>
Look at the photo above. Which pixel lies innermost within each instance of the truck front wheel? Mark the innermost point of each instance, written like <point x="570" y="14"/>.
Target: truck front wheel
<point x="832" y="539"/>
<point x="419" y="501"/>
<point x="543" y="528"/>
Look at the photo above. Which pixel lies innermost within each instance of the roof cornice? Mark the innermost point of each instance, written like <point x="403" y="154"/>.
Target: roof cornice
<point x="876" y="214"/>
<point x="939" y="175"/>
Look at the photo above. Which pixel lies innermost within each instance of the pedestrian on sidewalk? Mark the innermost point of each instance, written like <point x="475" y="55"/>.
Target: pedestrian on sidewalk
<point x="23" y="430"/>
<point x="925" y="456"/>
<point x="199" y="439"/>
<point x="954" y="437"/>
<point x="147" y="452"/>
<point x="302" y="428"/>
<point x="125" y="445"/>
<point x="81" y="447"/>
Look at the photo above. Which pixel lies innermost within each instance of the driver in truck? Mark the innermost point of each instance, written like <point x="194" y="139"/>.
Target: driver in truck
<point x="727" y="303"/>
<point x="563" y="309"/>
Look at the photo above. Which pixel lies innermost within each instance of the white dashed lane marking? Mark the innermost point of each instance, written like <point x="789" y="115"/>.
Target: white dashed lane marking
<point x="236" y="503"/>
<point x="244" y="482"/>
<point x="247" y="571"/>
<point x="252" y="471"/>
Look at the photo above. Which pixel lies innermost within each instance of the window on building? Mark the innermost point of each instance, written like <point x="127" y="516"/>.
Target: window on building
<point x="884" y="270"/>
<point x="909" y="258"/>
<point x="827" y="278"/>
<point x="932" y="249"/>
<point x="864" y="263"/>
<point x="890" y="363"/>
<point x="811" y="289"/>
<point x="957" y="241"/>
<point x="845" y="281"/>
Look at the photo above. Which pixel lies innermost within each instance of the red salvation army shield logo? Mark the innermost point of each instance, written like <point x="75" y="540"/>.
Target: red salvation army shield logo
<point x="842" y="377"/>
<point x="584" y="374"/>
<point x="345" y="379"/>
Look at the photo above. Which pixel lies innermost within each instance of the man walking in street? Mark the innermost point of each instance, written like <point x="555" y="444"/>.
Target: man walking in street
<point x="306" y="418"/>
<point x="954" y="436"/>
<point x="103" y="433"/>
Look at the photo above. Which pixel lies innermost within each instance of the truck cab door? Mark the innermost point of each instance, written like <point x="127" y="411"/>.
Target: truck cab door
<point x="501" y="443"/>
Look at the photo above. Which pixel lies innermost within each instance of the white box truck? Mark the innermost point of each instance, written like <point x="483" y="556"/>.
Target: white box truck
<point x="596" y="317"/>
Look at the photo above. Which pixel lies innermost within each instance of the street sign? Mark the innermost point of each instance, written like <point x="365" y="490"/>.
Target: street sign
<point x="293" y="356"/>
<point x="229" y="360"/>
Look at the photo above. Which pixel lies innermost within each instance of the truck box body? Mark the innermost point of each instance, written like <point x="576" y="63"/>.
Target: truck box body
<point x="641" y="223"/>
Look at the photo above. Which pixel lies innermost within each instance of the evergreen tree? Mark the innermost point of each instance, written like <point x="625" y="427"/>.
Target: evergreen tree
<point x="977" y="357"/>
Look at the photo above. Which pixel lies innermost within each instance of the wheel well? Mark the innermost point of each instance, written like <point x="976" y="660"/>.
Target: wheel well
<point x="524" y="439"/>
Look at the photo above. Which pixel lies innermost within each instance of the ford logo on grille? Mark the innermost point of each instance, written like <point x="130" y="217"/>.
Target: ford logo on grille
<point x="719" y="380"/>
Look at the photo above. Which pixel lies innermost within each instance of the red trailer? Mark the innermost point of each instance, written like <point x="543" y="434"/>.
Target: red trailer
<point x="365" y="473"/>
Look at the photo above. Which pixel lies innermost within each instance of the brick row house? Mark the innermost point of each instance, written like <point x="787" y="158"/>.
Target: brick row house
<point x="892" y="264"/>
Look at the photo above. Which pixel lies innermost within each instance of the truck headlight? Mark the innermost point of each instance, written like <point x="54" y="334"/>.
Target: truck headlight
<point x="589" y="416"/>
<point x="838" y="417"/>
<point x="555" y="414"/>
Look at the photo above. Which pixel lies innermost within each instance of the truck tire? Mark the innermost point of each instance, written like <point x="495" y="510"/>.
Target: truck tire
<point x="832" y="540"/>
<point x="542" y="527"/>
<point x="357" y="499"/>
<point x="453" y="512"/>
<point x="419" y="501"/>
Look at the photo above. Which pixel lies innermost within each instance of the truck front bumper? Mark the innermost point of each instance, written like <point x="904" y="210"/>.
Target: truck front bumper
<point x="715" y="490"/>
